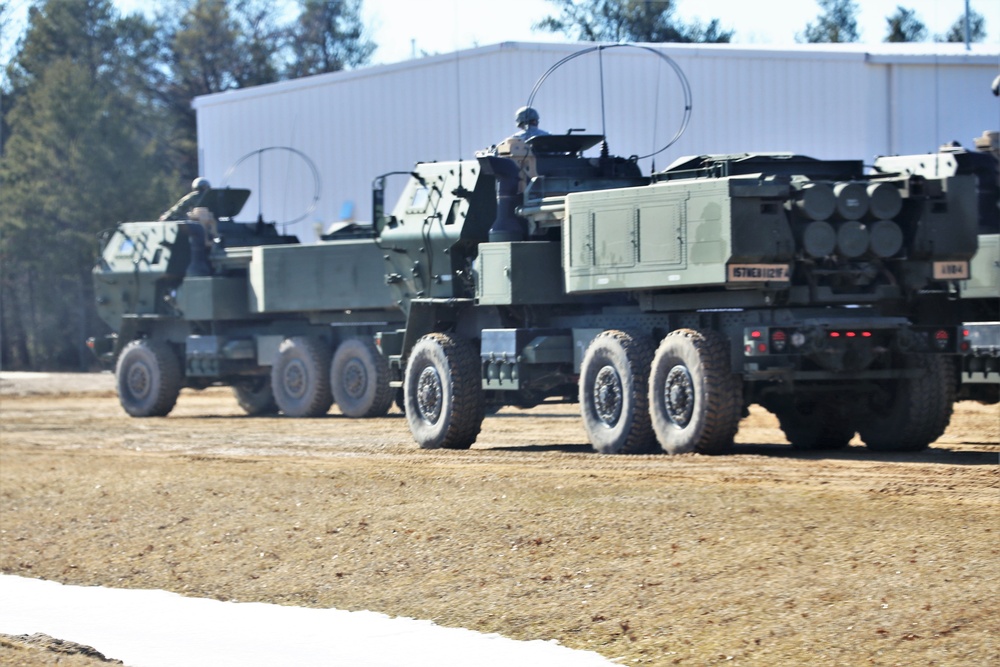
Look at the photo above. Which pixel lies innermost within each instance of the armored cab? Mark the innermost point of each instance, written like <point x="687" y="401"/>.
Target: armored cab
<point x="429" y="239"/>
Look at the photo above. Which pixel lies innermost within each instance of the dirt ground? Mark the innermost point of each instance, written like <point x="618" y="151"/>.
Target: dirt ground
<point x="766" y="556"/>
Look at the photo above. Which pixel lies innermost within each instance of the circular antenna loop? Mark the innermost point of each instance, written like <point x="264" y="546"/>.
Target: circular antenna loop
<point x="685" y="86"/>
<point x="294" y="151"/>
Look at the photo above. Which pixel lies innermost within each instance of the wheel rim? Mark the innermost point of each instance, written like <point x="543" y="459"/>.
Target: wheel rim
<point x="678" y="396"/>
<point x="139" y="380"/>
<point x="355" y="379"/>
<point x="608" y="396"/>
<point x="294" y="379"/>
<point x="430" y="394"/>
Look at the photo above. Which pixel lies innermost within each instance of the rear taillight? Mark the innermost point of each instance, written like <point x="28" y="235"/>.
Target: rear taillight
<point x="850" y="333"/>
<point x="941" y="339"/>
<point x="770" y="341"/>
<point x="779" y="340"/>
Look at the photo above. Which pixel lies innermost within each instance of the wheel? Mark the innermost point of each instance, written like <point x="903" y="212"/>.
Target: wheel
<point x="149" y="378"/>
<point x="820" y="423"/>
<point x="695" y="400"/>
<point x="443" y="392"/>
<point x="613" y="399"/>
<point x="300" y="377"/>
<point x="254" y="395"/>
<point x="913" y="412"/>
<point x="359" y="378"/>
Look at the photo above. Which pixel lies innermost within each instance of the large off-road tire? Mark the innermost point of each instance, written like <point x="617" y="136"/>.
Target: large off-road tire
<point x="947" y="394"/>
<point x="695" y="400"/>
<point x="613" y="393"/>
<point x="820" y="423"/>
<point x="254" y="395"/>
<point x="911" y="413"/>
<point x="149" y="378"/>
<point x="443" y="392"/>
<point x="300" y="377"/>
<point x="359" y="379"/>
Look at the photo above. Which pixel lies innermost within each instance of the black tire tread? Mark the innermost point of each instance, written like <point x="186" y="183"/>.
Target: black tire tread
<point x="170" y="378"/>
<point x="317" y="354"/>
<point x="723" y="400"/>
<point x="825" y="427"/>
<point x="466" y="413"/>
<point x="383" y="397"/>
<point x="920" y="412"/>
<point x="256" y="402"/>
<point x="638" y="352"/>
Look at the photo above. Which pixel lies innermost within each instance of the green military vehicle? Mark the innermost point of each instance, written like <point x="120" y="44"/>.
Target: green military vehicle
<point x="980" y="363"/>
<point x="666" y="304"/>
<point x="979" y="305"/>
<point x="211" y="301"/>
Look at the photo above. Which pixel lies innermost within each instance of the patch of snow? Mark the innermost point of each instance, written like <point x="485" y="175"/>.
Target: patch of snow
<point x="149" y="628"/>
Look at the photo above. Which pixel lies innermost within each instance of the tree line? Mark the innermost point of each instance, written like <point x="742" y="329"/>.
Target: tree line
<point x="96" y="123"/>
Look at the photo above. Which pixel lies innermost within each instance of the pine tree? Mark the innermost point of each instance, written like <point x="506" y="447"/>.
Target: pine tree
<point x="904" y="26"/>
<point x="838" y="23"/>
<point x="628" y="21"/>
<point x="81" y="155"/>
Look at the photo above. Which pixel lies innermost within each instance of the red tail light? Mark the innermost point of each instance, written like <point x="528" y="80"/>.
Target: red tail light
<point x="779" y="340"/>
<point x="941" y="338"/>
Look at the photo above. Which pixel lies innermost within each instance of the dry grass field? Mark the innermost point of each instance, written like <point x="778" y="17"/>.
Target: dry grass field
<point x="766" y="556"/>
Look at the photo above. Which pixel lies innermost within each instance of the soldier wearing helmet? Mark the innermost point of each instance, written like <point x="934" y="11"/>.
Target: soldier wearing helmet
<point x="179" y="211"/>
<point x="527" y="120"/>
<point x="516" y="147"/>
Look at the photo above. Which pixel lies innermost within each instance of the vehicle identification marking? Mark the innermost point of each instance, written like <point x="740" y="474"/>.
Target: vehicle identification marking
<point x="755" y="273"/>
<point x="951" y="270"/>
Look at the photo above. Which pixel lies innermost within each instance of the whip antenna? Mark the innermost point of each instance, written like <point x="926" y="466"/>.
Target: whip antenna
<point x="685" y="86"/>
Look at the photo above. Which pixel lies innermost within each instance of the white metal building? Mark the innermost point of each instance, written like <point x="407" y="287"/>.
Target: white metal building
<point x="827" y="101"/>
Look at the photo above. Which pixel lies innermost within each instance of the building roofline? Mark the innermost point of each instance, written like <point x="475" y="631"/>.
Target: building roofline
<point x="934" y="53"/>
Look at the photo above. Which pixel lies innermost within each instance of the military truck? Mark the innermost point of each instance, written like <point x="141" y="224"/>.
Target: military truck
<point x="979" y="306"/>
<point x="979" y="368"/>
<point x="211" y="301"/>
<point x="666" y="304"/>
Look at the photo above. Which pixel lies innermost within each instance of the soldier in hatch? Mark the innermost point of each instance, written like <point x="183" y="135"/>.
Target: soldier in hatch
<point x="179" y="211"/>
<point x="527" y="120"/>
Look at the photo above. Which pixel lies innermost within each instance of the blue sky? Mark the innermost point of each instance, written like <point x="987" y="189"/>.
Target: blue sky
<point x="403" y="28"/>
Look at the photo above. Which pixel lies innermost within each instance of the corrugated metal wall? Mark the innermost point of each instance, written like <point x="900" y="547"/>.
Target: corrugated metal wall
<point x="825" y="101"/>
